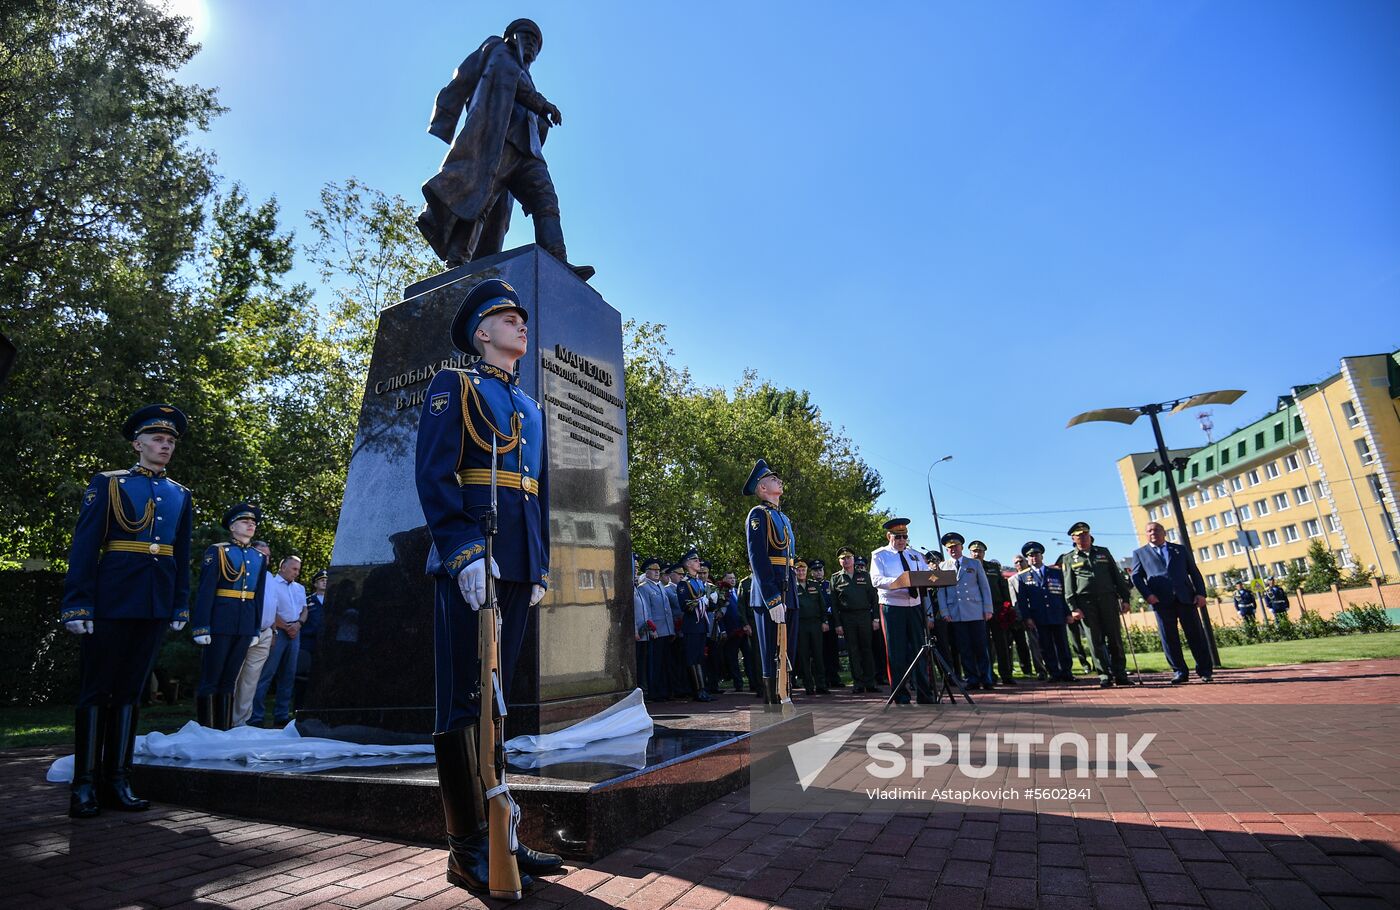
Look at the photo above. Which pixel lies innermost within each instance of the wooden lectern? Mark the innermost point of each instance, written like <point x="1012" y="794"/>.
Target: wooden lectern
<point x="938" y="578"/>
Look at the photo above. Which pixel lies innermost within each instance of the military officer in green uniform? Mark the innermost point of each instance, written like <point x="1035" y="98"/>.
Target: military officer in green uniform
<point x="1097" y="592"/>
<point x="855" y="611"/>
<point x="812" y="620"/>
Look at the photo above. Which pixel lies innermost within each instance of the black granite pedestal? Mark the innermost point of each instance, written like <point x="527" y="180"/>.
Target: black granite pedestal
<point x="373" y="673"/>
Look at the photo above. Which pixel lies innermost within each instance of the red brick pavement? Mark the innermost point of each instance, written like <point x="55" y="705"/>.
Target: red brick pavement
<point x="725" y="856"/>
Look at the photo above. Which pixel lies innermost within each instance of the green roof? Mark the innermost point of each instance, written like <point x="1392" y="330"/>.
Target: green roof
<point x="1263" y="440"/>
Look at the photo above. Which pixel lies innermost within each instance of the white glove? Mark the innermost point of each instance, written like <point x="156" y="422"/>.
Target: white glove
<point x="202" y="639"/>
<point x="79" y="626"/>
<point x="472" y="582"/>
<point x="177" y="625"/>
<point x="536" y="594"/>
<point x="778" y="613"/>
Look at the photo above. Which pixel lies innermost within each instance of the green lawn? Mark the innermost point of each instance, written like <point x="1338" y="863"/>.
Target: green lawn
<point x="53" y="724"/>
<point x="1276" y="653"/>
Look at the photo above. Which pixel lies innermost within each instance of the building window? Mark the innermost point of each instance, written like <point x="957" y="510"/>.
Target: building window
<point x="1258" y="441"/>
<point x="1204" y="553"/>
<point x="1241" y="450"/>
<point x="1220" y="550"/>
<point x="1166" y="510"/>
<point x="1146" y="493"/>
<point x="1244" y="512"/>
<point x="1312" y="528"/>
<point x="605" y="578"/>
<point x="1236" y="484"/>
<point x="1235" y="548"/>
<point x="1210" y="462"/>
<point x="1210" y="581"/>
<point x="1271" y="470"/>
<point x="1290" y="533"/>
<point x="1224" y="457"/>
<point x="1190" y="500"/>
<point x="1152" y="513"/>
<point x="1278" y="431"/>
<point x="585" y="530"/>
<point x="1280" y="502"/>
<point x="1195" y="471"/>
<point x="1290" y="463"/>
<point x="1261" y="507"/>
<point x="1228" y="516"/>
<point x="1196" y="528"/>
<point x="1310" y="455"/>
<point x="1352" y="416"/>
<point x="1301" y="495"/>
<point x="1377" y="491"/>
<point x="1363" y="449"/>
<point x="1205" y="494"/>
<point x="1212" y="523"/>
<point x="1271" y="538"/>
<point x="1344" y="557"/>
<point x="585" y="579"/>
<point x="1221" y="491"/>
<point x="1302" y="563"/>
<point x="1318" y="489"/>
<point x="1157" y="486"/>
<point x="1334" y="523"/>
<point x="1253" y="478"/>
<point x="1171" y="535"/>
<point x="1297" y="425"/>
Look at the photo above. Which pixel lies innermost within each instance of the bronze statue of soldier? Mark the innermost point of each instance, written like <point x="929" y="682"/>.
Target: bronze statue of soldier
<point x="496" y="156"/>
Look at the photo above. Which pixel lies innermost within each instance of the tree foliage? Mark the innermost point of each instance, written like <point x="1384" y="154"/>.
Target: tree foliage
<point x="691" y="449"/>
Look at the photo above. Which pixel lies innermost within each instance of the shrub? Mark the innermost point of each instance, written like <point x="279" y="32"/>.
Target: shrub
<point x="1365" y="618"/>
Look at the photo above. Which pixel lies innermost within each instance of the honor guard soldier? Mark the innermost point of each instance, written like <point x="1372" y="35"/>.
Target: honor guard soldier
<point x="128" y="578"/>
<point x="1245" y="605"/>
<point x="1040" y="599"/>
<point x="1098" y="593"/>
<point x="466" y="413"/>
<point x="772" y="560"/>
<point x="227" y="608"/>
<point x="813" y="619"/>
<point x="903" y="609"/>
<point x="855" y="603"/>
<point x="695" y="621"/>
<point x="1277" y="599"/>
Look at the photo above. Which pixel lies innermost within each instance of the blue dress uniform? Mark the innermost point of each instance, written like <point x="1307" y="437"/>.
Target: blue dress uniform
<point x="465" y="413"/>
<point x="129" y="575"/>
<point x="695" y="626"/>
<point x="227" y="607"/>
<point x="772" y="547"/>
<point x="1040" y="597"/>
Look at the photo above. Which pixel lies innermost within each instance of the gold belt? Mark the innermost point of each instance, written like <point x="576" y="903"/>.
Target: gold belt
<point x="778" y="560"/>
<point x="136" y="546"/>
<point x="236" y="595"/>
<point x="512" y="480"/>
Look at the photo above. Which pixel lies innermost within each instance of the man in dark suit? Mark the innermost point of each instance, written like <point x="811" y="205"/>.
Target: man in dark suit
<point x="1167" y="577"/>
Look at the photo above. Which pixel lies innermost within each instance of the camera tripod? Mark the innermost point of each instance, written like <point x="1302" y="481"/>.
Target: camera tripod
<point x="943" y="678"/>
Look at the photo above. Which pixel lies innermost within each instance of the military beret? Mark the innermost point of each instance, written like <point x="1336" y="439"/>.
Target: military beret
<point x="487" y="298"/>
<point x="760" y="471"/>
<point x="897" y="525"/>
<point x="950" y="537"/>
<point x="156" y="418"/>
<point x="1078" y="526"/>
<point x="816" y="564"/>
<point x="1032" y="546"/>
<point x="649" y="562"/>
<point x="845" y="551"/>
<point x="975" y="544"/>
<point x="242" y="510"/>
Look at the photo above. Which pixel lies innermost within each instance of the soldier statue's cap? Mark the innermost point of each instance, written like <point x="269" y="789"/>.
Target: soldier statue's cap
<point x="242" y="510"/>
<point x="949" y="537"/>
<point x="1078" y="526"/>
<point x="526" y="25"/>
<point x="649" y="562"/>
<point x="487" y="298"/>
<point x="1032" y="546"/>
<point x="975" y="544"/>
<point x="816" y="564"/>
<point x="760" y="471"/>
<point x="690" y="554"/>
<point x="897" y="525"/>
<point x="156" y="418"/>
<point x="845" y="551"/>
<point x="320" y="575"/>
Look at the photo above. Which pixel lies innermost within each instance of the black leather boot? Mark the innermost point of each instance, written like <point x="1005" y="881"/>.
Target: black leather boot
<point x="223" y="711"/>
<point x="464" y="811"/>
<point x="697" y="682"/>
<point x="118" y="743"/>
<point x="204" y="711"/>
<point x="87" y="742"/>
<point x="770" y="694"/>
<point x="549" y="234"/>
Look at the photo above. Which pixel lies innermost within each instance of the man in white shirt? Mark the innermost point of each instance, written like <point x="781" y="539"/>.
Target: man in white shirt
<point x="902" y="610"/>
<point x="247" y="685"/>
<point x="968" y="606"/>
<point x="290" y="600"/>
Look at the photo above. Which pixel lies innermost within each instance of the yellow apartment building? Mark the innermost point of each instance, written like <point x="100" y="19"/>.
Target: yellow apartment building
<point x="1321" y="466"/>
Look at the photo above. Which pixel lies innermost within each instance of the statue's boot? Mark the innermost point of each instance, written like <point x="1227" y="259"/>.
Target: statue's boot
<point x="770" y="694"/>
<point x="223" y="711"/>
<point x="464" y="810"/>
<point x="119" y="742"/>
<point x="204" y="711"/>
<point x="87" y="742"/>
<point x="549" y="234"/>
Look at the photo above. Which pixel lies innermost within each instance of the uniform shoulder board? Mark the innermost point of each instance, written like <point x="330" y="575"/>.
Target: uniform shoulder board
<point x="120" y="472"/>
<point x="179" y="485"/>
<point x="225" y="544"/>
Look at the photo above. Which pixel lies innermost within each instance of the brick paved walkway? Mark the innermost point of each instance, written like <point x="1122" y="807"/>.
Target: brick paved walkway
<point x="724" y="856"/>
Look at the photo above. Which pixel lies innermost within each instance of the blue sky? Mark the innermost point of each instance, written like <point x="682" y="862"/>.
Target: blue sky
<point x="956" y="224"/>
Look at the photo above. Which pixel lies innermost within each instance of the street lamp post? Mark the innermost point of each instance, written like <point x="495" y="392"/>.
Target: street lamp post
<point x="928" y="478"/>
<point x="1129" y="416"/>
